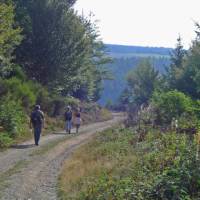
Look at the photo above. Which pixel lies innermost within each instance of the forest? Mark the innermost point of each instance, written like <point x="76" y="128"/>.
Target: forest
<point x="117" y="50"/>
<point x="154" y="155"/>
<point x="49" y="55"/>
<point x="121" y="66"/>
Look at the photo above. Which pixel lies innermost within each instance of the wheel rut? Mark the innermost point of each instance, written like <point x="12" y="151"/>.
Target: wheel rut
<point x="37" y="177"/>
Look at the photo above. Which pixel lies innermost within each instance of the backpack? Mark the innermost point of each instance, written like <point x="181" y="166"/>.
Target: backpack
<point x="68" y="115"/>
<point x="36" y="118"/>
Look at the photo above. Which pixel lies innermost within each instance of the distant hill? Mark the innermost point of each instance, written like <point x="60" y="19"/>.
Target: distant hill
<point x="125" y="58"/>
<point x="117" y="51"/>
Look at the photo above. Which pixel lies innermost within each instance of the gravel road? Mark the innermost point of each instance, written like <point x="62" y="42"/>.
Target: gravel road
<point x="28" y="172"/>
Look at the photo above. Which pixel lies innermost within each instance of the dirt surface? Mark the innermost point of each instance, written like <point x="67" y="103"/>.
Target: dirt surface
<point x="28" y="172"/>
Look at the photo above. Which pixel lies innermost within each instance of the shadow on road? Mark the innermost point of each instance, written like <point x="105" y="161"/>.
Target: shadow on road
<point x="22" y="146"/>
<point x="64" y="133"/>
<point x="60" y="133"/>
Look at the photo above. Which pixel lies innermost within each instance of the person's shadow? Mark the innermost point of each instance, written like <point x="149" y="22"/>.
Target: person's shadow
<point x="60" y="133"/>
<point x="22" y="146"/>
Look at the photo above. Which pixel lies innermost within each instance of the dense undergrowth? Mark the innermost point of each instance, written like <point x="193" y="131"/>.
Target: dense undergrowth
<point x="63" y="65"/>
<point x="115" y="165"/>
<point x="17" y="99"/>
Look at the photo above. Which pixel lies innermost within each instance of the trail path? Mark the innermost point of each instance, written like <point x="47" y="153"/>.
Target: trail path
<point x="30" y="173"/>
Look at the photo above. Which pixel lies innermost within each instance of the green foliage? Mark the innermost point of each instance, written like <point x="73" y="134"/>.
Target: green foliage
<point x="5" y="140"/>
<point x="173" y="159"/>
<point x="172" y="104"/>
<point x="163" y="166"/>
<point x="185" y="67"/>
<point x="17" y="72"/>
<point x="47" y="66"/>
<point x="142" y="81"/>
<point x="109" y="104"/>
<point x="191" y="70"/>
<point x="189" y="122"/>
<point x="58" y="105"/>
<point x="19" y="90"/>
<point x="9" y="37"/>
<point x="181" y="75"/>
<point x="181" y="181"/>
<point x="12" y="117"/>
<point x="72" y="101"/>
<point x="175" y="70"/>
<point x="69" y="60"/>
<point x="122" y="65"/>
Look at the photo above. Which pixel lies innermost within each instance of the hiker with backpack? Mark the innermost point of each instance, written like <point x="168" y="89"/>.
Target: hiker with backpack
<point x="68" y="119"/>
<point x="37" y="122"/>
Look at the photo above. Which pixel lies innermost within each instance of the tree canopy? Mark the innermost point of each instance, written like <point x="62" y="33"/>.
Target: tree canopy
<point x="60" y="49"/>
<point x="142" y="81"/>
<point x="9" y="37"/>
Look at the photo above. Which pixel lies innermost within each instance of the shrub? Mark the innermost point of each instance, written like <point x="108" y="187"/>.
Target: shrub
<point x="104" y="115"/>
<point x="43" y="99"/>
<point x="5" y="140"/>
<point x="171" y="105"/>
<point x="59" y="104"/>
<point x="162" y="167"/>
<point x="19" y="90"/>
<point x="188" y="123"/>
<point x="72" y="101"/>
<point x="180" y="181"/>
<point x="172" y="168"/>
<point x="17" y="72"/>
<point x="11" y="116"/>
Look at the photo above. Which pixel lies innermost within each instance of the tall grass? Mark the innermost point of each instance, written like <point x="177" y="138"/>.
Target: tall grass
<point x="116" y="166"/>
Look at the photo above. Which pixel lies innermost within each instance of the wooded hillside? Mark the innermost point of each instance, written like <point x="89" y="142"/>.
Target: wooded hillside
<point x="125" y="59"/>
<point x="49" y="55"/>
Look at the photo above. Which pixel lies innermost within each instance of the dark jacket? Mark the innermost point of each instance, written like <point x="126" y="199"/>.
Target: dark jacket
<point x="37" y="118"/>
<point x="68" y="115"/>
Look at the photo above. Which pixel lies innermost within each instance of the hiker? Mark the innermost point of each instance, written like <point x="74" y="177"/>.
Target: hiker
<point x="37" y="122"/>
<point x="68" y="119"/>
<point x="77" y="119"/>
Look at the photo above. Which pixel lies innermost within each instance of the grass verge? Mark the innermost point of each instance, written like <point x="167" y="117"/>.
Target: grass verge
<point x="92" y="160"/>
<point x="115" y="166"/>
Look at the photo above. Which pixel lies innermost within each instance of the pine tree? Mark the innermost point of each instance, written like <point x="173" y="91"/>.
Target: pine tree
<point x="61" y="50"/>
<point x="142" y="81"/>
<point x="175" y="69"/>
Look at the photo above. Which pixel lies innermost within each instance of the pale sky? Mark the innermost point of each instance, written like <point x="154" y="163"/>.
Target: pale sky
<point x="144" y="22"/>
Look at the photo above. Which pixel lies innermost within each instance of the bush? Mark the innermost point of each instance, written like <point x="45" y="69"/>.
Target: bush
<point x="188" y="123"/>
<point x="104" y="114"/>
<point x="11" y="117"/>
<point x="162" y="167"/>
<point x="172" y="163"/>
<point x="17" y="72"/>
<point x="182" y="181"/>
<point x="58" y="104"/>
<point x="171" y="105"/>
<point x="44" y="99"/>
<point x="5" y="140"/>
<point x="19" y="91"/>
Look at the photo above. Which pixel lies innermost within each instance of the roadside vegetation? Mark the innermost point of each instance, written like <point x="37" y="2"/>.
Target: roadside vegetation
<point x="118" y="165"/>
<point x="156" y="155"/>
<point x="54" y="58"/>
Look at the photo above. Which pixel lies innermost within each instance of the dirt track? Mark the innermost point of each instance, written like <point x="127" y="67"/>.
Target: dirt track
<point x="30" y="173"/>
